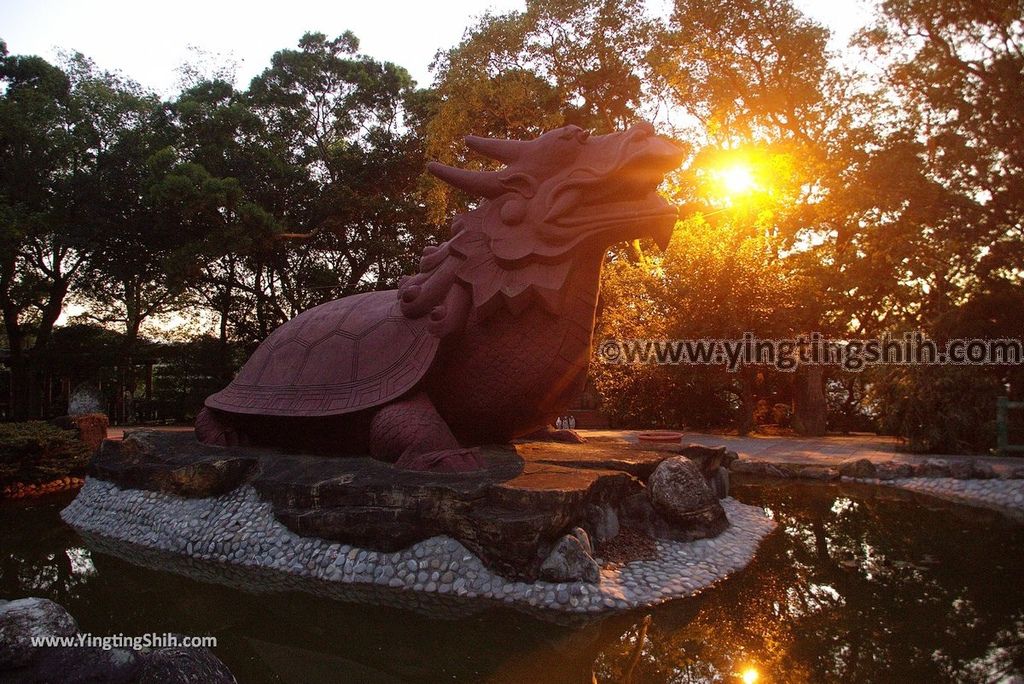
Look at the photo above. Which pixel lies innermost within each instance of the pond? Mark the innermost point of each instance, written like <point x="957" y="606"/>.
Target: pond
<point x="857" y="584"/>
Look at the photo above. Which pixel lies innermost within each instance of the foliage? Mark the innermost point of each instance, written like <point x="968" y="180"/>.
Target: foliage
<point x="188" y="372"/>
<point x="249" y="205"/>
<point x="36" y="451"/>
<point x="946" y="410"/>
<point x="301" y="185"/>
<point x="958" y="67"/>
<point x="714" y="282"/>
<point x="516" y="75"/>
<point x="873" y="196"/>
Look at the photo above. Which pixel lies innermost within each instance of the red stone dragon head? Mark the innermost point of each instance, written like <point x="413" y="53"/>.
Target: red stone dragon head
<point x="557" y="195"/>
<point x="568" y="186"/>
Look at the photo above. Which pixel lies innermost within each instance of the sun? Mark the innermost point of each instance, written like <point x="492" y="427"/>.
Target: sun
<point x="736" y="179"/>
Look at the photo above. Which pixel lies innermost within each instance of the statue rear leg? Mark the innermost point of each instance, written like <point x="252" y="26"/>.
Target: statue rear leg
<point x="411" y="434"/>
<point x="549" y="433"/>
<point x="213" y="427"/>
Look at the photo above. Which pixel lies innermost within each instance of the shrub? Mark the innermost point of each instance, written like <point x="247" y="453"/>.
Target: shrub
<point x="37" y="451"/>
<point x="938" y="410"/>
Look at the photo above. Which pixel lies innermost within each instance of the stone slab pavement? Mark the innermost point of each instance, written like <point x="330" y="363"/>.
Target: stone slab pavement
<point x="117" y="432"/>
<point x="828" y="451"/>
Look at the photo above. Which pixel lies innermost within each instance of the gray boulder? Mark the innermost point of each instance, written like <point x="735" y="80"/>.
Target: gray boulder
<point x="719" y="483"/>
<point x="569" y="562"/>
<point x="20" y="662"/>
<point x="933" y="467"/>
<point x="859" y="467"/>
<point x="982" y="471"/>
<point x="602" y="521"/>
<point x="681" y="505"/>
<point x="23" y="619"/>
<point x="961" y="469"/>
<point x="819" y="473"/>
<point x="184" y="666"/>
<point x="72" y="665"/>
<point x="891" y="470"/>
<point x="583" y="538"/>
<point x="678" y="489"/>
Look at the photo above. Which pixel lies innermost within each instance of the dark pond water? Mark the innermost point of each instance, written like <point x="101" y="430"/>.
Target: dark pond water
<point x="857" y="585"/>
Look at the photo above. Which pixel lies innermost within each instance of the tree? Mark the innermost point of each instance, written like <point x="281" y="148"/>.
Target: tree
<point x="333" y="122"/>
<point x="519" y="74"/>
<point x="206" y="188"/>
<point x="126" y="280"/>
<point x="957" y="67"/>
<point x="47" y="187"/>
<point x="757" y="76"/>
<point x="713" y="282"/>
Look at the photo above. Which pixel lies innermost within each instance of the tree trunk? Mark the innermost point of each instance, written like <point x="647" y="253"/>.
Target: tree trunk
<point x="21" y="387"/>
<point x="20" y="373"/>
<point x="224" y="368"/>
<point x="748" y="400"/>
<point x="810" y="411"/>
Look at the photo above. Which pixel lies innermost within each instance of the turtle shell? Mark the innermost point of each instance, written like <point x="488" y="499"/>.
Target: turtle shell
<point x="343" y="356"/>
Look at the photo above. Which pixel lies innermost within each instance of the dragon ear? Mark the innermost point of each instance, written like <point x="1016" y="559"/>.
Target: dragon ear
<point x="480" y="183"/>
<point x="506" y="151"/>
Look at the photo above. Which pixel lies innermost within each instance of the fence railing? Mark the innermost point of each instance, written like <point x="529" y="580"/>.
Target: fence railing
<point x="1003" y="446"/>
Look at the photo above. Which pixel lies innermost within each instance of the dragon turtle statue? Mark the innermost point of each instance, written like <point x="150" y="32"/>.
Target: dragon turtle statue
<point x="488" y="341"/>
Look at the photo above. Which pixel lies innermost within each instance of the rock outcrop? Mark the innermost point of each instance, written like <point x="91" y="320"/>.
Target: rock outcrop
<point x="26" y="619"/>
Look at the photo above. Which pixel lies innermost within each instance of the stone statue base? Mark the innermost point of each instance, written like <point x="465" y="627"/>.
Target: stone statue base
<point x="540" y="528"/>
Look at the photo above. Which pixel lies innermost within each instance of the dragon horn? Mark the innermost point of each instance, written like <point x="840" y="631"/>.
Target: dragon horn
<point x="480" y="183"/>
<point x="506" y="151"/>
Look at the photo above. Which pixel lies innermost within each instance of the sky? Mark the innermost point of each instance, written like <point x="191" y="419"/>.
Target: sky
<point x="148" y="40"/>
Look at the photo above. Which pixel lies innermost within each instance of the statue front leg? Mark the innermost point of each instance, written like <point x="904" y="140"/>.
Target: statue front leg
<point x="216" y="428"/>
<point x="411" y="434"/>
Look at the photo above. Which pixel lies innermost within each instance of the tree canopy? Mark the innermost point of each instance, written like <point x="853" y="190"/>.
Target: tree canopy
<point x="871" y="190"/>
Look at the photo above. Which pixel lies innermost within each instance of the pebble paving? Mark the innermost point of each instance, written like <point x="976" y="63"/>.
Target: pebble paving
<point x="239" y="530"/>
<point x="1006" y="495"/>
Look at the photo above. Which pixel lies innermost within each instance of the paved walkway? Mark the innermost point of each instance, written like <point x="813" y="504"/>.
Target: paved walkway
<point x="1004" y="495"/>
<point x="1007" y="496"/>
<point x="117" y="432"/>
<point x="829" y="451"/>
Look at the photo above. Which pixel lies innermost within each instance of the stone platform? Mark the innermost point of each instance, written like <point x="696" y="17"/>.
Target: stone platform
<point x="358" y="529"/>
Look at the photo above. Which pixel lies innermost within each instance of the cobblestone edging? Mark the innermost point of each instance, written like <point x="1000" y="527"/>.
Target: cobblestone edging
<point x="1004" y="495"/>
<point x="864" y="469"/>
<point x="239" y="530"/>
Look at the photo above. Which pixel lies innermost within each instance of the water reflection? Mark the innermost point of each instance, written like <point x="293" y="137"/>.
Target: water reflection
<point x="861" y="585"/>
<point x="857" y="585"/>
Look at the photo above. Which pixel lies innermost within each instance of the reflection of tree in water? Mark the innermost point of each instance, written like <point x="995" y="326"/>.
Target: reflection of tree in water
<point x="41" y="560"/>
<point x="857" y="585"/>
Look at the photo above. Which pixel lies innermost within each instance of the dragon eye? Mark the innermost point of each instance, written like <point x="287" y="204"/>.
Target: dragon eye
<point x="582" y="135"/>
